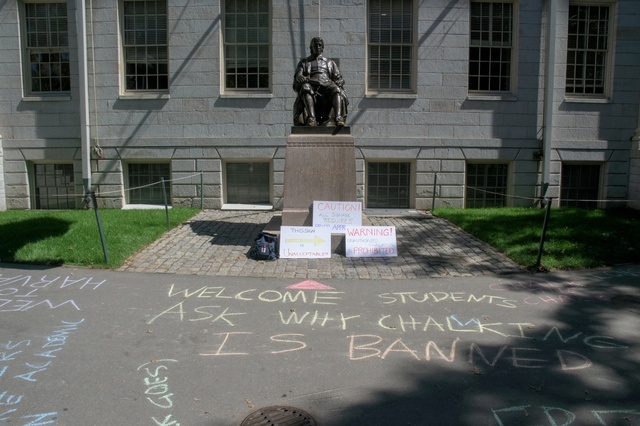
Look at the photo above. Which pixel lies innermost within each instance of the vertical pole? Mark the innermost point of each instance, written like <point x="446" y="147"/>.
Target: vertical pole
<point x="102" y="239"/>
<point x="433" y="197"/>
<point x="166" y="206"/>
<point x="549" y="89"/>
<point x="544" y="232"/>
<point x="85" y="129"/>
<point x="201" y="191"/>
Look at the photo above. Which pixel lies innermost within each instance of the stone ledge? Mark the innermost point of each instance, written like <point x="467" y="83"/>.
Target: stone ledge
<point x="320" y="130"/>
<point x="318" y="144"/>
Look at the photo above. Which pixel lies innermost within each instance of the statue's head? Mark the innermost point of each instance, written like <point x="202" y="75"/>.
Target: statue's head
<point x="316" y="46"/>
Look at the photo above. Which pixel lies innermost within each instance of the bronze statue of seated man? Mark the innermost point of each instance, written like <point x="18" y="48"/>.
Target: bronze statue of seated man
<point x="320" y="86"/>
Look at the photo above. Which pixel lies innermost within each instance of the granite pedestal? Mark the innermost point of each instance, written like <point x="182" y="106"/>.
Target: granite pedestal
<point x="320" y="165"/>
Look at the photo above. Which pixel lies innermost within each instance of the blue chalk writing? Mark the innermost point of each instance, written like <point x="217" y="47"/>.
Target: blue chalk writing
<point x="41" y="419"/>
<point x="460" y="323"/>
<point x="24" y="360"/>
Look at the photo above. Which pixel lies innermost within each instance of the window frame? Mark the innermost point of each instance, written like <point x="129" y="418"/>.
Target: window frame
<point x="70" y="190"/>
<point x="25" y="51"/>
<point x="513" y="61"/>
<point x="411" y="91"/>
<point x="563" y="201"/>
<point x="410" y="187"/>
<point x="125" y="91"/>
<point x="486" y="189"/>
<point x="129" y="190"/>
<point x="609" y="60"/>
<point x="268" y="185"/>
<point x="224" y="43"/>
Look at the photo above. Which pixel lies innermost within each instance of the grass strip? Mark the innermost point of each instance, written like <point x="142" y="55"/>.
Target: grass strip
<point x="71" y="237"/>
<point x="576" y="238"/>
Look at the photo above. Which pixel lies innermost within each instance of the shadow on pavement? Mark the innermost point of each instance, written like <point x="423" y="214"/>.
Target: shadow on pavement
<point x="228" y="232"/>
<point x="579" y="367"/>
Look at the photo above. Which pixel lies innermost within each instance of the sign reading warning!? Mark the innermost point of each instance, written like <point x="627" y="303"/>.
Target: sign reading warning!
<point x="371" y="241"/>
<point x="304" y="242"/>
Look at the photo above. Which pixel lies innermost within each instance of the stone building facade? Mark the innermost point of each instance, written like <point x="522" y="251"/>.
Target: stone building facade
<point x="463" y="103"/>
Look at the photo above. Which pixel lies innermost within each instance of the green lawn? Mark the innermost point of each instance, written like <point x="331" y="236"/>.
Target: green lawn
<point x="71" y="237"/>
<point x="575" y="239"/>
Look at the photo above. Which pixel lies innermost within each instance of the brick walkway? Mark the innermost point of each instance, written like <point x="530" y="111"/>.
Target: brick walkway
<point x="217" y="243"/>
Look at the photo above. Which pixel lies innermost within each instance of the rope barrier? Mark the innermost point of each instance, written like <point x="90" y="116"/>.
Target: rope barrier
<point x="572" y="200"/>
<point x="130" y="189"/>
<point x="538" y="198"/>
<point x="503" y="194"/>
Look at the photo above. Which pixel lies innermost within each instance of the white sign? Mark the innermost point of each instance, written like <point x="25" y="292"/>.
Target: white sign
<point x="304" y="242"/>
<point x="371" y="241"/>
<point x="337" y="215"/>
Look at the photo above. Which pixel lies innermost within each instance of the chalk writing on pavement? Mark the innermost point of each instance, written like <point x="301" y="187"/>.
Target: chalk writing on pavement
<point x="26" y="361"/>
<point x="156" y="390"/>
<point x="21" y="293"/>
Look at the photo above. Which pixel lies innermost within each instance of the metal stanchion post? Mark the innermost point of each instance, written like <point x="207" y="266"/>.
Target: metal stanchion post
<point x="102" y="239"/>
<point x="166" y="206"/>
<point x="201" y="191"/>
<point x="544" y="231"/>
<point x="433" y="197"/>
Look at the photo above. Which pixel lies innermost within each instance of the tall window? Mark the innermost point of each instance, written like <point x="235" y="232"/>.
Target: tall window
<point x="388" y="185"/>
<point x="587" y="49"/>
<point x="486" y="185"/>
<point x="247" y="44"/>
<point x="390" y="45"/>
<point x="46" y="48"/>
<point x="491" y="46"/>
<point x="54" y="186"/>
<point x="146" y="58"/>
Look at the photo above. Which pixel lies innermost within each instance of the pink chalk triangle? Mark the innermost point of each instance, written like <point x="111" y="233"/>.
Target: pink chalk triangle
<point x="310" y="285"/>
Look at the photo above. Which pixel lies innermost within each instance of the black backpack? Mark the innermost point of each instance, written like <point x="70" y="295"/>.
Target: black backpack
<point x="265" y="247"/>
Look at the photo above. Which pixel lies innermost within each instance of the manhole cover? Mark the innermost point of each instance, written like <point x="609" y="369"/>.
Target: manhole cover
<point x="630" y="303"/>
<point x="279" y="415"/>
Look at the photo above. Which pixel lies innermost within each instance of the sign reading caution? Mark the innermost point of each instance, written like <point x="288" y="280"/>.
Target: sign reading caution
<point x="304" y="242"/>
<point x="337" y="215"/>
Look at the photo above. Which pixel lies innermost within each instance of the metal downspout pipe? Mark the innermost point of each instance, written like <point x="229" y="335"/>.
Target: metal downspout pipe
<point x="549" y="89"/>
<point x="85" y="129"/>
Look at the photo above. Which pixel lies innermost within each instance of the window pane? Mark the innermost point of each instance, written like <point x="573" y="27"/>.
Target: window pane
<point x="145" y="45"/>
<point x="490" y="46"/>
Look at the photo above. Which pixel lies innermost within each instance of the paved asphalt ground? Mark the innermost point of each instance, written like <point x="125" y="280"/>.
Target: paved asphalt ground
<point x="441" y="335"/>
